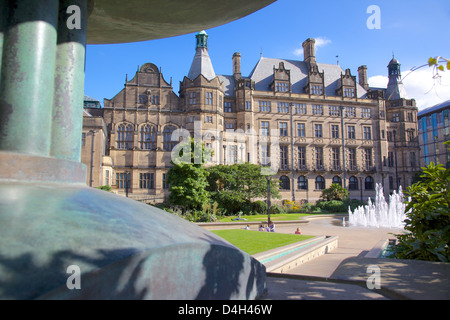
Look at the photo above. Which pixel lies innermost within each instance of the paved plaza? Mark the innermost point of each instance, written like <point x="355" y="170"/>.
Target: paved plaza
<point x="342" y="273"/>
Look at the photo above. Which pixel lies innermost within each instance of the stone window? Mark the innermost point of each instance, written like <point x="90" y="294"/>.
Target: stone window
<point x="368" y="183"/>
<point x="335" y="131"/>
<point x="283" y="129"/>
<point x="302" y="183"/>
<point x="351" y="132"/>
<point x="123" y="180"/>
<point x="334" y="111"/>
<point x="320" y="183"/>
<point x="353" y="183"/>
<point x="300" y="108"/>
<point x="192" y="98"/>
<point x="318" y="130"/>
<point x="317" y="109"/>
<point x="367" y="133"/>
<point x="146" y="181"/>
<point x="208" y="98"/>
<point x="285" y="183"/>
<point x="168" y="144"/>
<point x="301" y="130"/>
<point x="148" y="137"/>
<point x="124" y="136"/>
<point x="337" y="180"/>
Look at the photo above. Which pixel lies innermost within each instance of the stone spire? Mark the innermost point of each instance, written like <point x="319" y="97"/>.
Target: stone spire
<point x="395" y="89"/>
<point x="201" y="63"/>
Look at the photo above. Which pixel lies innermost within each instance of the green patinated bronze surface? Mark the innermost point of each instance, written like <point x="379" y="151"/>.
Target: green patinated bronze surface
<point x="124" y="249"/>
<point x="67" y="115"/>
<point x="49" y="218"/>
<point x="27" y="78"/>
<point x="139" y="20"/>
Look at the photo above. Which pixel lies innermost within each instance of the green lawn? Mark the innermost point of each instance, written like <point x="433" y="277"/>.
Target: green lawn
<point x="253" y="242"/>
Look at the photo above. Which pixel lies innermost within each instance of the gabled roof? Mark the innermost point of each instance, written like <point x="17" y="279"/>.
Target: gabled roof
<point x="262" y="74"/>
<point x="228" y="85"/>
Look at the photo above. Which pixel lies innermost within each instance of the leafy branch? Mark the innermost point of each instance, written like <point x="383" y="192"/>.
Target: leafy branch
<point x="439" y="64"/>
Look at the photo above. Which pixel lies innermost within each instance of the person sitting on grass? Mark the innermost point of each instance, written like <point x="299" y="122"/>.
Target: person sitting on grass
<point x="298" y="231"/>
<point x="261" y="228"/>
<point x="271" y="226"/>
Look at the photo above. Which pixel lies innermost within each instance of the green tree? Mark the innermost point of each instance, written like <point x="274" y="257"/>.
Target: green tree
<point x="335" y="192"/>
<point x="234" y="186"/>
<point x="428" y="217"/>
<point x="188" y="177"/>
<point x="105" y="188"/>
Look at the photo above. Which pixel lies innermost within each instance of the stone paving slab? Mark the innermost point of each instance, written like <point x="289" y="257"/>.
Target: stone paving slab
<point x="342" y="273"/>
<point x="413" y="279"/>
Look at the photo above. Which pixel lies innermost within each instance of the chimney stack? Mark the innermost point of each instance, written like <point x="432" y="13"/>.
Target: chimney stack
<point x="237" y="65"/>
<point x="309" y="54"/>
<point x="362" y="77"/>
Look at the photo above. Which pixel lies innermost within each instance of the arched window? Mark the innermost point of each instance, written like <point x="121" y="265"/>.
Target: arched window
<point x="284" y="183"/>
<point x="124" y="136"/>
<point x="337" y="180"/>
<point x="353" y="183"/>
<point x="168" y="144"/>
<point x="302" y="183"/>
<point x="148" y="137"/>
<point x="369" y="183"/>
<point x="320" y="183"/>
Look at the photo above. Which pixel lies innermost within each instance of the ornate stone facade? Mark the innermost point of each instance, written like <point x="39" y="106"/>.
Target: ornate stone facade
<point x="330" y="127"/>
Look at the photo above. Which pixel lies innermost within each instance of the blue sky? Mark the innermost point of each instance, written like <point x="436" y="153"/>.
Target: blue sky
<point x="413" y="29"/>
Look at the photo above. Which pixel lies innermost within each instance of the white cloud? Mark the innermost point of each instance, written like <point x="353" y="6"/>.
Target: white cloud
<point x="378" y="81"/>
<point x="421" y="85"/>
<point x="320" y="42"/>
<point x="298" y="52"/>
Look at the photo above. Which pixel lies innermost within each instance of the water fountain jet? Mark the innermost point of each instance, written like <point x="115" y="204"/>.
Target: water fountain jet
<point x="380" y="214"/>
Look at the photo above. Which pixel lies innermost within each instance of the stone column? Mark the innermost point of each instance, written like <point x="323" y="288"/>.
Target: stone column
<point x="27" y="75"/>
<point x="67" y="116"/>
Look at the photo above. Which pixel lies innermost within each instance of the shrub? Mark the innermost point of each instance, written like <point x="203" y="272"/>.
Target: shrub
<point x="352" y="203"/>
<point x="307" y="207"/>
<point x="105" y="188"/>
<point x="259" y="207"/>
<point x="276" y="209"/>
<point x="333" y="206"/>
<point x="428" y="217"/>
<point x="291" y="206"/>
<point x="335" y="192"/>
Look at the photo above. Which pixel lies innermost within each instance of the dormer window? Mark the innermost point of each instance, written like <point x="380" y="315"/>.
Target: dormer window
<point x="281" y="79"/>
<point x="349" y="92"/>
<point x="282" y="86"/>
<point x="346" y="87"/>
<point x="316" y="83"/>
<point x="316" y="89"/>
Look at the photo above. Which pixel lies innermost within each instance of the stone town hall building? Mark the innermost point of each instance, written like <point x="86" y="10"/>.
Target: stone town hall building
<point x="331" y="127"/>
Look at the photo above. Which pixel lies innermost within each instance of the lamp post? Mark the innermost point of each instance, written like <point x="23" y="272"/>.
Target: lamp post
<point x="395" y="158"/>
<point x="291" y="105"/>
<point x="361" y="187"/>
<point x="269" y="178"/>
<point x="224" y="154"/>
<point x="343" y="144"/>
<point x="91" y="169"/>
<point x="127" y="181"/>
